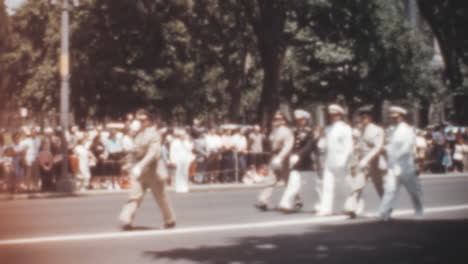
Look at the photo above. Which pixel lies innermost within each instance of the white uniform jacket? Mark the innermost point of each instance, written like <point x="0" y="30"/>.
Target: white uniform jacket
<point x="339" y="145"/>
<point x="400" y="149"/>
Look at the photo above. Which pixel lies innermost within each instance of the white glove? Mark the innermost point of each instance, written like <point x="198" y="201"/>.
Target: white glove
<point x="362" y="164"/>
<point x="293" y="160"/>
<point x="276" y="162"/>
<point x="396" y="170"/>
<point x="136" y="171"/>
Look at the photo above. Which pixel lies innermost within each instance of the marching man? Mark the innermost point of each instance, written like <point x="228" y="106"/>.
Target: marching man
<point x="402" y="169"/>
<point x="338" y="151"/>
<point x="282" y="143"/>
<point x="299" y="160"/>
<point x="143" y="173"/>
<point x="370" y="162"/>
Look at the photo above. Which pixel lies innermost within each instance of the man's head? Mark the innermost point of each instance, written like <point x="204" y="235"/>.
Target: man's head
<point x="257" y="128"/>
<point x="301" y="117"/>
<point x="397" y="113"/>
<point x="335" y="112"/>
<point x="144" y="117"/>
<point x="130" y="117"/>
<point x="365" y="116"/>
<point x="279" y="119"/>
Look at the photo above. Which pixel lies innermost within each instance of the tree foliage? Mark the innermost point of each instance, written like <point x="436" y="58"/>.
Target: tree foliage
<point x="448" y="20"/>
<point x="234" y="57"/>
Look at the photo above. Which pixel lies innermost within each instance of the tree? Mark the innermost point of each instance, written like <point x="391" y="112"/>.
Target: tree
<point x="186" y="58"/>
<point x="363" y="51"/>
<point x="448" y="20"/>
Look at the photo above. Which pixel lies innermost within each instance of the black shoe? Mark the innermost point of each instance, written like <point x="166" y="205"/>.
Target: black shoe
<point x="126" y="227"/>
<point x="351" y="214"/>
<point x="298" y="205"/>
<point x="169" y="225"/>
<point x="261" y="206"/>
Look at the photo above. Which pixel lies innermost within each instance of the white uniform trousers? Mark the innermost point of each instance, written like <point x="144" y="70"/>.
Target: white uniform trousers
<point x="392" y="185"/>
<point x="292" y="190"/>
<point x="333" y="183"/>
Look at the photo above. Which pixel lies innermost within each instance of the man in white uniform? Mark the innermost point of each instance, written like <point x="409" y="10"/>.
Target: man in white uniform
<point x="402" y="170"/>
<point x="370" y="162"/>
<point x="338" y="151"/>
<point x="143" y="168"/>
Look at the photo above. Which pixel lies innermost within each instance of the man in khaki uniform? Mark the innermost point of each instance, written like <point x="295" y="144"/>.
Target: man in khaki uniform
<point x="370" y="164"/>
<point x="282" y="143"/>
<point x="146" y="171"/>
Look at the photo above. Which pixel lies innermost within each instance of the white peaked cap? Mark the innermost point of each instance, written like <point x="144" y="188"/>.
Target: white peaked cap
<point x="336" y="108"/>
<point x="299" y="113"/>
<point x="398" y="109"/>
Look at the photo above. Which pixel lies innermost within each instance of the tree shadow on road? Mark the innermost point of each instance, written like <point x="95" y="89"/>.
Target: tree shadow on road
<point x="399" y="241"/>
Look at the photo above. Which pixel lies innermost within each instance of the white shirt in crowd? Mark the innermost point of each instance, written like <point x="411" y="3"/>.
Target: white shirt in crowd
<point x="213" y="142"/>
<point x="240" y="142"/>
<point x="180" y="150"/>
<point x="31" y="147"/>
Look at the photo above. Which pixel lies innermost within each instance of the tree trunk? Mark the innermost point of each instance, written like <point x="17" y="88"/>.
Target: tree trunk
<point x="271" y="44"/>
<point x="234" y="88"/>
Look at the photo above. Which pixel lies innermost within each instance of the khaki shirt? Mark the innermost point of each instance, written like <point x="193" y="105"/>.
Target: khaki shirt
<point x="371" y="142"/>
<point x="147" y="147"/>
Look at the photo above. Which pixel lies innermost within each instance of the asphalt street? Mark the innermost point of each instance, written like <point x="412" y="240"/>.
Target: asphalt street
<point x="224" y="227"/>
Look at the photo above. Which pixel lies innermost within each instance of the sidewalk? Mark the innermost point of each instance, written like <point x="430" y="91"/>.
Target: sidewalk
<point x="193" y="188"/>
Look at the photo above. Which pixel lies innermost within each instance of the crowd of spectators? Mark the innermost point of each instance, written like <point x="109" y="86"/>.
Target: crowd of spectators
<point x="31" y="157"/>
<point x="442" y="149"/>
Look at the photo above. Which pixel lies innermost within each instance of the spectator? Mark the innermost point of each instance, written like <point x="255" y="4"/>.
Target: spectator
<point x="227" y="156"/>
<point x="115" y="152"/>
<point x="213" y="147"/>
<point x="459" y="153"/>
<point x="240" y="153"/>
<point x="18" y="162"/>
<point x="53" y="144"/>
<point x="85" y="157"/>
<point x="99" y="152"/>
<point x="30" y="147"/>
<point x="465" y="150"/>
<point x="447" y="158"/>
<point x="45" y="162"/>
<point x="256" y="153"/>
<point x="201" y="155"/>
<point x="180" y="157"/>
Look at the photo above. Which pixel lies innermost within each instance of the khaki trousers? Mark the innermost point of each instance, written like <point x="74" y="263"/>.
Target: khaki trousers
<point x="355" y="202"/>
<point x="137" y="192"/>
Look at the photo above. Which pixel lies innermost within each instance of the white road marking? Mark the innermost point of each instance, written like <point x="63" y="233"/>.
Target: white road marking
<point x="187" y="230"/>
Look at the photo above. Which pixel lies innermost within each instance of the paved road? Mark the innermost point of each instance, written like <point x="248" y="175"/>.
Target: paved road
<point x="223" y="227"/>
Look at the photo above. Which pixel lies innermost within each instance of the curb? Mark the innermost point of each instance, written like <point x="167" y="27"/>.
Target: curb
<point x="208" y="188"/>
<point x="194" y="188"/>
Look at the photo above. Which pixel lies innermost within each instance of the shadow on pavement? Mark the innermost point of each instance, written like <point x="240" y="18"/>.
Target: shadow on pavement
<point x="399" y="241"/>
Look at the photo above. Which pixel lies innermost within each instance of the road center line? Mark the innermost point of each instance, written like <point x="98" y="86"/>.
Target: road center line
<point x="187" y="230"/>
